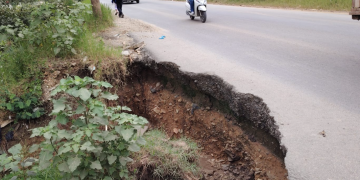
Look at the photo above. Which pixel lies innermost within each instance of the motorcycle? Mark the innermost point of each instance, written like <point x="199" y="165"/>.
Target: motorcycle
<point x="199" y="9"/>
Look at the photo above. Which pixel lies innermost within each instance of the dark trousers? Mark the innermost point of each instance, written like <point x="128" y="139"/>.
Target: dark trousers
<point x="119" y="6"/>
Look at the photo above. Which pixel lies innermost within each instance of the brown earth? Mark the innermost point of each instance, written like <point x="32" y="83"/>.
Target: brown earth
<point x="228" y="150"/>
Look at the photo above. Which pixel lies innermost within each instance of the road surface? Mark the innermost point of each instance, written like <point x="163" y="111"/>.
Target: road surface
<point x="305" y="65"/>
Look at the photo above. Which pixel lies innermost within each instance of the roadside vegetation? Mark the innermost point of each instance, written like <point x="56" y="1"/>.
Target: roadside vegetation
<point x="85" y="139"/>
<point x="332" y="5"/>
<point x="164" y="158"/>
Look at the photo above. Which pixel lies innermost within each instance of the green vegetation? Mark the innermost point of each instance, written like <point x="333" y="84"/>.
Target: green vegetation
<point x="82" y="149"/>
<point x="33" y="34"/>
<point x="167" y="159"/>
<point x="25" y="107"/>
<point x="337" y="5"/>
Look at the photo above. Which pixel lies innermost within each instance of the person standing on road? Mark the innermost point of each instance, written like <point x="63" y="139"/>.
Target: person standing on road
<point x="119" y="7"/>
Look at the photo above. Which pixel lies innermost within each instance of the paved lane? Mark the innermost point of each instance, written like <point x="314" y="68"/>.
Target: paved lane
<point x="303" y="64"/>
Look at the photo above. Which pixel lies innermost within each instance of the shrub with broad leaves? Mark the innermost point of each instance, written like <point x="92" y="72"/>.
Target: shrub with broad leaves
<point x="88" y="140"/>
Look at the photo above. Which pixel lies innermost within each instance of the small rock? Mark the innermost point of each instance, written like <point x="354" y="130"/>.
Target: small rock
<point x="73" y="64"/>
<point x="91" y="68"/>
<point x="137" y="94"/>
<point x="194" y="107"/>
<point x="177" y="111"/>
<point x="323" y="133"/>
<point x="180" y="100"/>
<point x="162" y="111"/>
<point x="176" y="130"/>
<point x="157" y="110"/>
<point x="225" y="167"/>
<point x="157" y="84"/>
<point x="207" y="108"/>
<point x="125" y="53"/>
<point x="152" y="90"/>
<point x="170" y="104"/>
<point x="213" y="124"/>
<point x="209" y="172"/>
<point x="85" y="59"/>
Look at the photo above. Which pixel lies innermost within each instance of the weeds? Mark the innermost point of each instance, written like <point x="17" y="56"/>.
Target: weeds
<point x="166" y="159"/>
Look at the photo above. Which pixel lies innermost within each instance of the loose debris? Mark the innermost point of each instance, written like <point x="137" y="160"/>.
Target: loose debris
<point x="322" y="133"/>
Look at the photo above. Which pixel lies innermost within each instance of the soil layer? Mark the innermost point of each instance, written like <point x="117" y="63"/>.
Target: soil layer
<point x="232" y="147"/>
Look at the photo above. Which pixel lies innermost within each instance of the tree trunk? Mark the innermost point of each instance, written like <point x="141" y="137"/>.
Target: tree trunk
<point x="96" y="8"/>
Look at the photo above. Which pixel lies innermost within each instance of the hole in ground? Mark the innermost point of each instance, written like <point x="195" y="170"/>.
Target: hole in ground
<point x="238" y="137"/>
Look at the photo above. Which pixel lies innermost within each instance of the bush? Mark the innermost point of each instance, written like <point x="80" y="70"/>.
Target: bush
<point x="25" y="107"/>
<point x="74" y="140"/>
<point x="8" y="16"/>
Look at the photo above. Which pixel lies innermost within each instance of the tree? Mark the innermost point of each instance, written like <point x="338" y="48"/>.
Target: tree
<point x="96" y="8"/>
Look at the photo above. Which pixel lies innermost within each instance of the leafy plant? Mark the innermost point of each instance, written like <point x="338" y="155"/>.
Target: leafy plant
<point x="81" y="148"/>
<point x="25" y="107"/>
<point x="17" y="163"/>
<point x="55" y="25"/>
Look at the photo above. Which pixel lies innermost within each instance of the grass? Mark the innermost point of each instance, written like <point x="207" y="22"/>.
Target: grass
<point x="22" y="63"/>
<point x="167" y="159"/>
<point x="333" y="5"/>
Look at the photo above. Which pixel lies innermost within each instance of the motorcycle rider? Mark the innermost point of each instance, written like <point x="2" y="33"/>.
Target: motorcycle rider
<point x="191" y="2"/>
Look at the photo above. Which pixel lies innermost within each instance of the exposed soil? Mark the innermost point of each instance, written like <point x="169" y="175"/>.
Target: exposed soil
<point x="228" y="151"/>
<point x="235" y="131"/>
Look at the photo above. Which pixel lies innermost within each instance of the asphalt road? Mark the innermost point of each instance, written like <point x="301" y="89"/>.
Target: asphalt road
<point x="305" y="65"/>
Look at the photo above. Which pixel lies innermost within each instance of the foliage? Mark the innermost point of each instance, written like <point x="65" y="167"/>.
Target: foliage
<point x="82" y="149"/>
<point x="16" y="2"/>
<point x="95" y="24"/>
<point x="25" y="107"/>
<point x="52" y="24"/>
<point x="168" y="159"/>
<point x="17" y="163"/>
<point x="8" y="15"/>
<point x="51" y="173"/>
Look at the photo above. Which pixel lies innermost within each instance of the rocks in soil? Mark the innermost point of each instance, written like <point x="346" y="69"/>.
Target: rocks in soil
<point x="152" y="90"/>
<point x="125" y="53"/>
<point x="157" y="110"/>
<point x="225" y="167"/>
<point x="176" y="130"/>
<point x="232" y="157"/>
<point x="194" y="107"/>
<point x="209" y="172"/>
